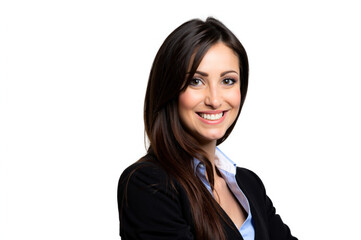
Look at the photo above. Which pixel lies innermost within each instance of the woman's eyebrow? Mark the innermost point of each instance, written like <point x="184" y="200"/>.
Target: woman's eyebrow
<point x="204" y="74"/>
<point x="230" y="71"/>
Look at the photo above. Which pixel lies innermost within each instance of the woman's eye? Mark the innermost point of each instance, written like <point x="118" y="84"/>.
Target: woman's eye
<point x="195" y="82"/>
<point x="229" y="81"/>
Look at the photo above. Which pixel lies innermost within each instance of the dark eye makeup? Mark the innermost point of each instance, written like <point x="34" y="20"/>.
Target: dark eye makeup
<point x="195" y="81"/>
<point x="229" y="81"/>
<point x="226" y="81"/>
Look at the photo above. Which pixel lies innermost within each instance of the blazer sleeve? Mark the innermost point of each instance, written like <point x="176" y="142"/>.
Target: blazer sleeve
<point x="277" y="229"/>
<point x="268" y="220"/>
<point x="149" y="207"/>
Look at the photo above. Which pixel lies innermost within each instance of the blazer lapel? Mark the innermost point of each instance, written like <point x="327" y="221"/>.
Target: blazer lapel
<point x="258" y="216"/>
<point x="231" y="230"/>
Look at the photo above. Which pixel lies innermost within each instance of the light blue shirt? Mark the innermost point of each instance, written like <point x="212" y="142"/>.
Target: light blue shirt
<point x="227" y="168"/>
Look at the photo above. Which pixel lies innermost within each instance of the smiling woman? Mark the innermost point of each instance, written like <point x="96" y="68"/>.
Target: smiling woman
<point x="185" y="187"/>
<point x="211" y="102"/>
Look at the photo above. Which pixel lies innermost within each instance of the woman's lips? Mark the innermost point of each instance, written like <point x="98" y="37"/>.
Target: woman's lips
<point x="212" y="117"/>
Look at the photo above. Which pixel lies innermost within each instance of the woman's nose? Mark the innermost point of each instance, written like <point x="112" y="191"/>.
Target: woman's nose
<point x="213" y="97"/>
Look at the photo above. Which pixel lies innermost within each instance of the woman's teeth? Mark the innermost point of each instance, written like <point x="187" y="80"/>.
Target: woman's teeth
<point x="211" y="116"/>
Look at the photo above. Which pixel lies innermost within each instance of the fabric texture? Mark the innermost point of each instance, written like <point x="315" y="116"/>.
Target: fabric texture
<point x="228" y="169"/>
<point x="150" y="209"/>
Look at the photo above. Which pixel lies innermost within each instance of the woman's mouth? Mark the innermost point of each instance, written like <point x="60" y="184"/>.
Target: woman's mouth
<point x="212" y="117"/>
<point x="208" y="116"/>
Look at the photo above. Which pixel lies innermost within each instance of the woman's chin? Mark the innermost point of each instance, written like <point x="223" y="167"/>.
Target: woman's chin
<point x="210" y="136"/>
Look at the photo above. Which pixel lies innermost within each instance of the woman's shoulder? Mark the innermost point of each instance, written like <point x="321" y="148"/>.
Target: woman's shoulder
<point x="249" y="179"/>
<point x="149" y="203"/>
<point x="146" y="171"/>
<point x="247" y="173"/>
<point x="146" y="176"/>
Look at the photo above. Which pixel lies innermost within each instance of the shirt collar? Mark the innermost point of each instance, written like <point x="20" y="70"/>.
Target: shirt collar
<point x="221" y="161"/>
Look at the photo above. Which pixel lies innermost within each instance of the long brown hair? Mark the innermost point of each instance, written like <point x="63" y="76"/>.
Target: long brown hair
<point x="173" y="147"/>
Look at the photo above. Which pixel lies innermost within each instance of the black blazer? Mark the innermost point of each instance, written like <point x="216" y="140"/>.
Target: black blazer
<point x="150" y="209"/>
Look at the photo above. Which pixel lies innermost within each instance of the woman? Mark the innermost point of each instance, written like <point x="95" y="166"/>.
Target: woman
<point x="185" y="187"/>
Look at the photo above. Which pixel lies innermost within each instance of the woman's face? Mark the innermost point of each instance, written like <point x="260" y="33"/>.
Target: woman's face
<point x="211" y="101"/>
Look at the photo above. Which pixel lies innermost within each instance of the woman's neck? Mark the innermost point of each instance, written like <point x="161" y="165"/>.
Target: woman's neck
<point x="210" y="150"/>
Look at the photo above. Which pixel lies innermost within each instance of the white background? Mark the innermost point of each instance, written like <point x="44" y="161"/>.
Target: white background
<point x="72" y="82"/>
